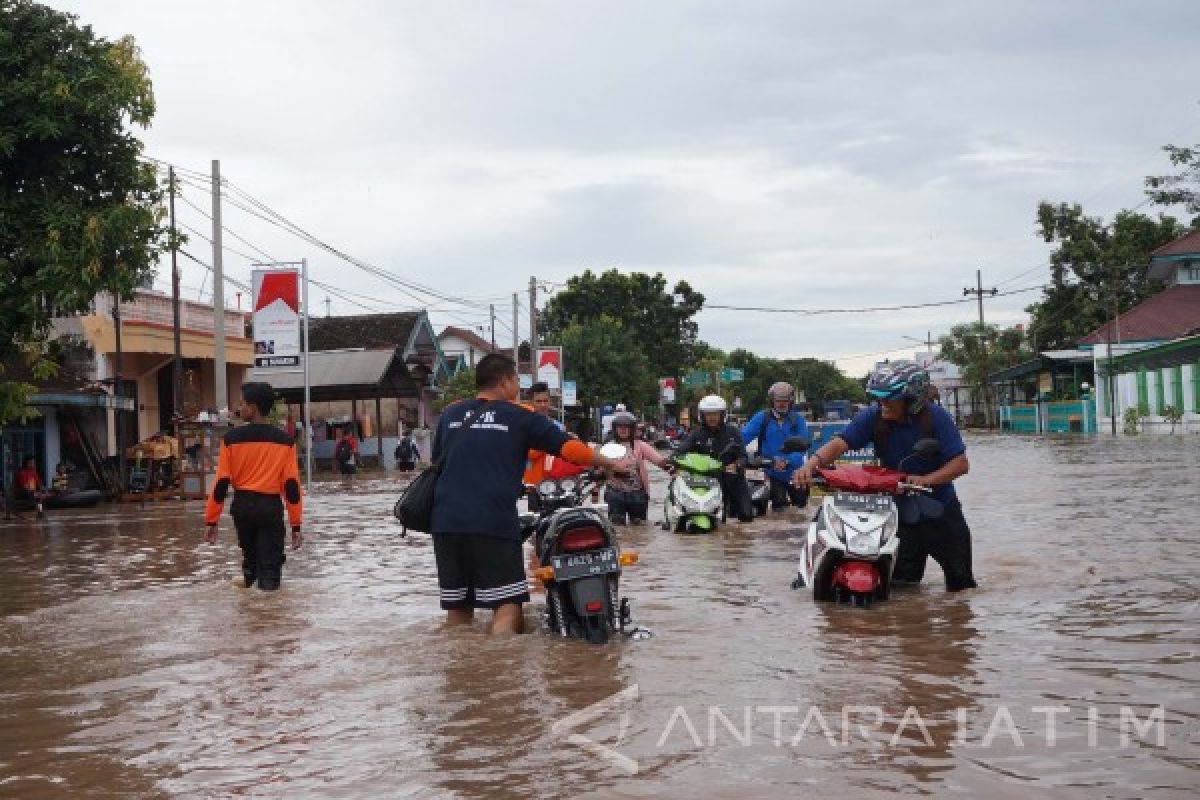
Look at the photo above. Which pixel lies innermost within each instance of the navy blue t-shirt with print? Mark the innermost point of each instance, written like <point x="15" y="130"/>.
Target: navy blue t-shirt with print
<point x="901" y="438"/>
<point x="480" y="482"/>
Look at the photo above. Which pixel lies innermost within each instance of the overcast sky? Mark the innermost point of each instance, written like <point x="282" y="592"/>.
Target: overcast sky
<point x="789" y="154"/>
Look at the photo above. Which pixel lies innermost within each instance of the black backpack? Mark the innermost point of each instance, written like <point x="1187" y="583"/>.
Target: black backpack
<point x="342" y="452"/>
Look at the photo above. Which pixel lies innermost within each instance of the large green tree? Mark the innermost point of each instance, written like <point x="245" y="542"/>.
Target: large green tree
<point x="1094" y="265"/>
<point x="820" y="381"/>
<point x="79" y="213"/>
<point x="602" y="358"/>
<point x="660" y="322"/>
<point x="976" y="348"/>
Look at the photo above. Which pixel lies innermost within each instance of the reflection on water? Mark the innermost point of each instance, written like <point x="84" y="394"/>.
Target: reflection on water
<point x="133" y="665"/>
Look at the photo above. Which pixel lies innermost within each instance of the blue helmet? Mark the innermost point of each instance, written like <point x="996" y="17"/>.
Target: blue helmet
<point x="900" y="379"/>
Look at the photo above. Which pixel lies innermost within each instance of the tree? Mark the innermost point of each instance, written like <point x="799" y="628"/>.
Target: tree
<point x="460" y="387"/>
<point x="660" y="324"/>
<point x="973" y="346"/>
<point x="80" y="213"/>
<point x="1094" y="265"/>
<point x="820" y="381"/>
<point x="1181" y="188"/>
<point x="601" y="356"/>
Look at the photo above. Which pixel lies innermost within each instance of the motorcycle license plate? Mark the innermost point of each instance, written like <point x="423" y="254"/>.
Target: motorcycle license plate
<point x="581" y="565"/>
<point x="862" y="502"/>
<point x="755" y="475"/>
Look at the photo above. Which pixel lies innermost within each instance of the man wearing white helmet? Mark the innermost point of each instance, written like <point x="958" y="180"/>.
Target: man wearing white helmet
<point x="723" y="441"/>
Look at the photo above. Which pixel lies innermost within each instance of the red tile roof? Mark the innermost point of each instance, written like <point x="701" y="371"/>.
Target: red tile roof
<point x="1186" y="245"/>
<point x="1173" y="312"/>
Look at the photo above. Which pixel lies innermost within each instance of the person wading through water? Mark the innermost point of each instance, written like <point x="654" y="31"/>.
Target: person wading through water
<point x="257" y="461"/>
<point x="476" y="531"/>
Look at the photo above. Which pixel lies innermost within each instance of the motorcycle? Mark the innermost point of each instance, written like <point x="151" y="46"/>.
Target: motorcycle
<point x="694" y="501"/>
<point x="850" y="547"/>
<point x="579" y="558"/>
<point x="760" y="484"/>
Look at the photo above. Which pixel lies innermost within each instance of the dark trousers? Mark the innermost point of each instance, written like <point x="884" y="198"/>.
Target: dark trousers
<point x="258" y="519"/>
<point x="947" y="540"/>
<point x="783" y="493"/>
<point x="737" y="496"/>
<point x="623" y="505"/>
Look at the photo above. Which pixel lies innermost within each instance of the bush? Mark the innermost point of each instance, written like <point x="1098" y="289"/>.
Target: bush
<point x="1133" y="421"/>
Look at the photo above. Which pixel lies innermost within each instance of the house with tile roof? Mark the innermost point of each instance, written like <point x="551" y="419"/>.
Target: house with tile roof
<point x="1149" y="357"/>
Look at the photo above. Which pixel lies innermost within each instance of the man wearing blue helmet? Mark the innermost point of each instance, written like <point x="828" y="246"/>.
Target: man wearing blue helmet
<point x="903" y="416"/>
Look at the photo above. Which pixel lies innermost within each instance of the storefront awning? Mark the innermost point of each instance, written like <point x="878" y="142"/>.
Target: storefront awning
<point x="83" y="399"/>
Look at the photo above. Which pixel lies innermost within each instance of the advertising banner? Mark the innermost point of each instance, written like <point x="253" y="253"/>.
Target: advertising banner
<point x="276" y="320"/>
<point x="666" y="390"/>
<point x="549" y="367"/>
<point x="570" y="395"/>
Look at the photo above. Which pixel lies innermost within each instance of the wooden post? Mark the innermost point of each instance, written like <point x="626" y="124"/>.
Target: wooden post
<point x="379" y="427"/>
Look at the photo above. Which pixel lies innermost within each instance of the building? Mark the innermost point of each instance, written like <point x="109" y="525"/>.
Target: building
<point x="1149" y="359"/>
<point x="82" y="418"/>
<point x="462" y="348"/>
<point x="375" y="374"/>
<point x="1050" y="393"/>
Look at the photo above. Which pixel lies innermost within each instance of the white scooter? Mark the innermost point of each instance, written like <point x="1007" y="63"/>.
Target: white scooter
<point x="851" y="545"/>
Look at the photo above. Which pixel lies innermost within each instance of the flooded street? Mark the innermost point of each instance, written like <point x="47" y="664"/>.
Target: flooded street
<point x="133" y="666"/>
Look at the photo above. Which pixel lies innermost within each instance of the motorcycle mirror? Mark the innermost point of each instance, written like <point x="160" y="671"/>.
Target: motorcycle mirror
<point x="796" y="444"/>
<point x="614" y="451"/>
<point x="927" y="448"/>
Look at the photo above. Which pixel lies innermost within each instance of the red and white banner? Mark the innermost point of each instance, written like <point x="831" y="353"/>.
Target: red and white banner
<point x="276" y="320"/>
<point x="549" y="367"/>
<point x="666" y="390"/>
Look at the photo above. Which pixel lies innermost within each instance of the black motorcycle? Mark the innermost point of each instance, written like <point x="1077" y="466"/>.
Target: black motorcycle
<point x="579" y="561"/>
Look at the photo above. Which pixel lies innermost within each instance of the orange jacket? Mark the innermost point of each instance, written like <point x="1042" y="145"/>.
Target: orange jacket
<point x="257" y="458"/>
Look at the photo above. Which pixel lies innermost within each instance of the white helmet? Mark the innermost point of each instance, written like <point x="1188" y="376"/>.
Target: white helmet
<point x="712" y="402"/>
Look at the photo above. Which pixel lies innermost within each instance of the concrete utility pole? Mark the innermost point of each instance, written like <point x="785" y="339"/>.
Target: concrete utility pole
<point x="516" y="338"/>
<point x="492" y="316"/>
<point x="177" y="368"/>
<point x="979" y="292"/>
<point x="533" y="326"/>
<point x="328" y="307"/>
<point x="221" y="389"/>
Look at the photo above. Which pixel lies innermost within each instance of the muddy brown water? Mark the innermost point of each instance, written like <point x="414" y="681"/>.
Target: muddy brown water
<point x="132" y="666"/>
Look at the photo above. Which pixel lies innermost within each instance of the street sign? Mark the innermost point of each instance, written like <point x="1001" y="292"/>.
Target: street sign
<point x="733" y="375"/>
<point x="569" y="394"/>
<point x="697" y="378"/>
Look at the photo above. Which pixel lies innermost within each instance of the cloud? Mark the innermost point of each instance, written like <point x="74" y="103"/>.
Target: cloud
<point x="783" y="154"/>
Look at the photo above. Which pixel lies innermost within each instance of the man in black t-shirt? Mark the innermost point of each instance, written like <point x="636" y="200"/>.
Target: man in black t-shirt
<point x="476" y="532"/>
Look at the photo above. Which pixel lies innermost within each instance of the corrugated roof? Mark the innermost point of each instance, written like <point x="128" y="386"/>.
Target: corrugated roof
<point x="1173" y="312"/>
<point x="1186" y="245"/>
<point x="371" y="331"/>
<point x="337" y="368"/>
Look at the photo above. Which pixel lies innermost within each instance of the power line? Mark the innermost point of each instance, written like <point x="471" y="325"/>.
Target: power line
<point x="864" y="310"/>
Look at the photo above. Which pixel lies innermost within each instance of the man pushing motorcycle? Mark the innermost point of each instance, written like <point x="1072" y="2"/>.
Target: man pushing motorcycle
<point x="903" y="416"/>
<point x="770" y="428"/>
<point x="722" y="440"/>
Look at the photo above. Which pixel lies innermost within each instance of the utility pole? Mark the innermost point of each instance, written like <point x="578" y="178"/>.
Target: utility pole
<point x="118" y="393"/>
<point x="516" y="338"/>
<point x="492" y="316"/>
<point x="1114" y="329"/>
<point x="328" y="307"/>
<point x="177" y="369"/>
<point x="979" y="292"/>
<point x="533" y="326"/>
<point x="221" y="388"/>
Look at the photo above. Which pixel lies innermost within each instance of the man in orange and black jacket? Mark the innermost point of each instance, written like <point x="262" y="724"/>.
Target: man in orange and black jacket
<point x="258" y="460"/>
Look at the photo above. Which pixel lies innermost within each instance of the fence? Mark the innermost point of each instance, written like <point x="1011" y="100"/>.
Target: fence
<point x="1068" y="416"/>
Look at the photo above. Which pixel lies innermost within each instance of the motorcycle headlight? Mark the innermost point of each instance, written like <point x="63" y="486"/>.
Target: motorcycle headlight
<point x="889" y="527"/>
<point x="862" y="543"/>
<point x="567" y="484"/>
<point x="547" y="487"/>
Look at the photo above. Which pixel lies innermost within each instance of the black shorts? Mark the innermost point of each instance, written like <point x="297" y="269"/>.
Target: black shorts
<point x="476" y="571"/>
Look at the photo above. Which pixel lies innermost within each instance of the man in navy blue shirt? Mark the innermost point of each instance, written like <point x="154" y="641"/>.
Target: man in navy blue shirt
<point x="476" y="532"/>
<point x="903" y="417"/>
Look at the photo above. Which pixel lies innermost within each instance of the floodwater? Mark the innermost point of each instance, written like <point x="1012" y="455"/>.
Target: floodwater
<point x="132" y="666"/>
